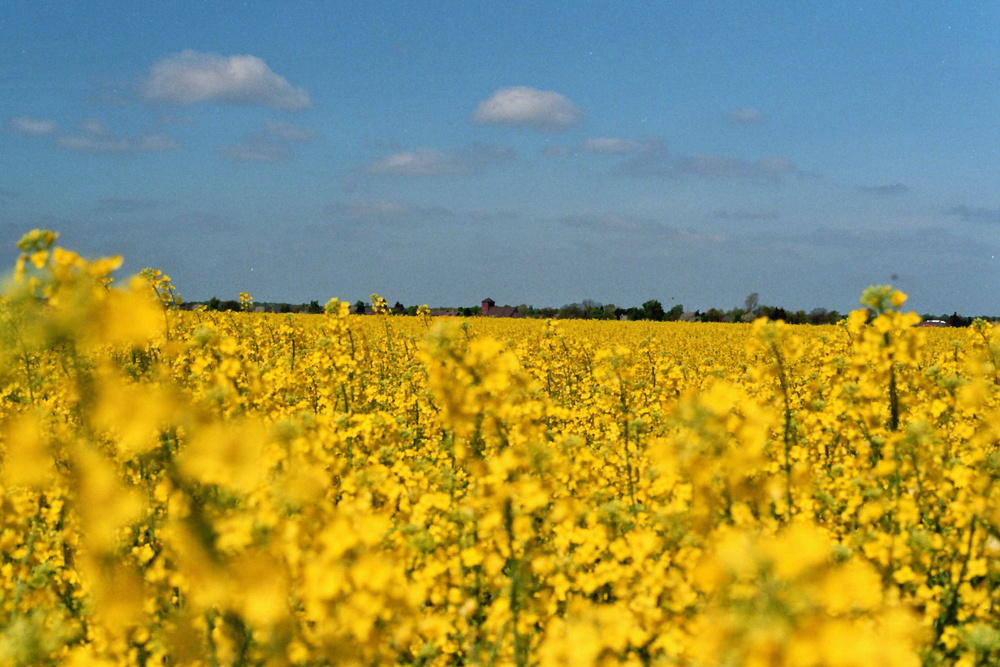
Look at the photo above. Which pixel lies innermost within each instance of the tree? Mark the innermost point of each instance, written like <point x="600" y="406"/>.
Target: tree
<point x="595" y="310"/>
<point x="674" y="313"/>
<point x="571" y="311"/>
<point x="713" y="315"/>
<point x="653" y="310"/>
<point x="751" y="303"/>
<point x="734" y="315"/>
<point x="359" y="307"/>
<point x="315" y="308"/>
<point x="818" y="316"/>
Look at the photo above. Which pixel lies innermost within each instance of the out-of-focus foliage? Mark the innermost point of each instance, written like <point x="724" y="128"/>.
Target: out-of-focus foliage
<point x="199" y="488"/>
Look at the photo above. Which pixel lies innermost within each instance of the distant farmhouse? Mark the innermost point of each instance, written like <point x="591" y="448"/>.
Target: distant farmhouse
<point x="490" y="309"/>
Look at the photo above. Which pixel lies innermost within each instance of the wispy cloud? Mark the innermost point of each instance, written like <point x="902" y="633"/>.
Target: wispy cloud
<point x="420" y="162"/>
<point x="384" y="210"/>
<point x="394" y="211"/>
<point x="155" y="141"/>
<point x="175" y="119"/>
<point x="528" y="107"/>
<point x="884" y="190"/>
<point x="288" y="132"/>
<point x="94" y="137"/>
<point x="191" y="77"/>
<point x="31" y="127"/>
<point x="655" y="161"/>
<point x="268" y="144"/>
<point x="721" y="166"/>
<point x="433" y="162"/>
<point x="493" y="216"/>
<point x="255" y="149"/>
<point x="618" y="146"/>
<point x="611" y="222"/>
<point x="556" y="151"/>
<point x="652" y="162"/>
<point x="975" y="214"/>
<point x="635" y="232"/>
<point x="875" y="240"/>
<point x="366" y="208"/>
<point x="747" y="214"/>
<point x="745" y="116"/>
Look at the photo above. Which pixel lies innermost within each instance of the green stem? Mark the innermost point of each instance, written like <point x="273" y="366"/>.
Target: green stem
<point x="787" y="433"/>
<point x="949" y="614"/>
<point x="514" y="564"/>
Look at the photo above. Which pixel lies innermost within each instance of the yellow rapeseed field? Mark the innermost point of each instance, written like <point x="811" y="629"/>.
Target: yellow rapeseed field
<point x="195" y="488"/>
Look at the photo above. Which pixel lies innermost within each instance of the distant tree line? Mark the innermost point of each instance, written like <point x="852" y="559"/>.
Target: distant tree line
<point x="750" y="310"/>
<point x="233" y="305"/>
<point x="654" y="311"/>
<point x="589" y="309"/>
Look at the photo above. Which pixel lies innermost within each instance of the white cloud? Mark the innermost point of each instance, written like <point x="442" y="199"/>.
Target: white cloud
<point x="616" y="145"/>
<point x="747" y="214"/>
<point x="433" y="162"/>
<point x="528" y="107"/>
<point x="745" y="116"/>
<point x="289" y="132"/>
<point x="94" y="127"/>
<point x="34" y="127"/>
<point x="557" y="151"/>
<point x="493" y="216"/>
<point x="653" y="161"/>
<point x="156" y="141"/>
<point x="254" y="149"/>
<point x="191" y="77"/>
<point x="611" y="222"/>
<point x="884" y="190"/>
<point x="720" y="166"/>
<point x="384" y="210"/>
<point x="367" y="208"/>
<point x="774" y="166"/>
<point x="268" y="144"/>
<point x="94" y="137"/>
<point x="89" y="143"/>
<point x="175" y="119"/>
<point x="420" y="162"/>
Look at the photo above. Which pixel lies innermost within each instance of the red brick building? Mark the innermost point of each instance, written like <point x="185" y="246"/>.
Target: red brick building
<point x="490" y="309"/>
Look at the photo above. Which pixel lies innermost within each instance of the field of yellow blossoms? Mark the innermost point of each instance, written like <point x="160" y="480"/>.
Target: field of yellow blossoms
<point x="195" y="488"/>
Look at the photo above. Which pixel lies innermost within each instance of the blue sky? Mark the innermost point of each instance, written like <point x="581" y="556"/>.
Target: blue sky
<point x="539" y="153"/>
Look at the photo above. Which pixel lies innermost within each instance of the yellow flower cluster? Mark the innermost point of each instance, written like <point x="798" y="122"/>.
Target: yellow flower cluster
<point x="195" y="488"/>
